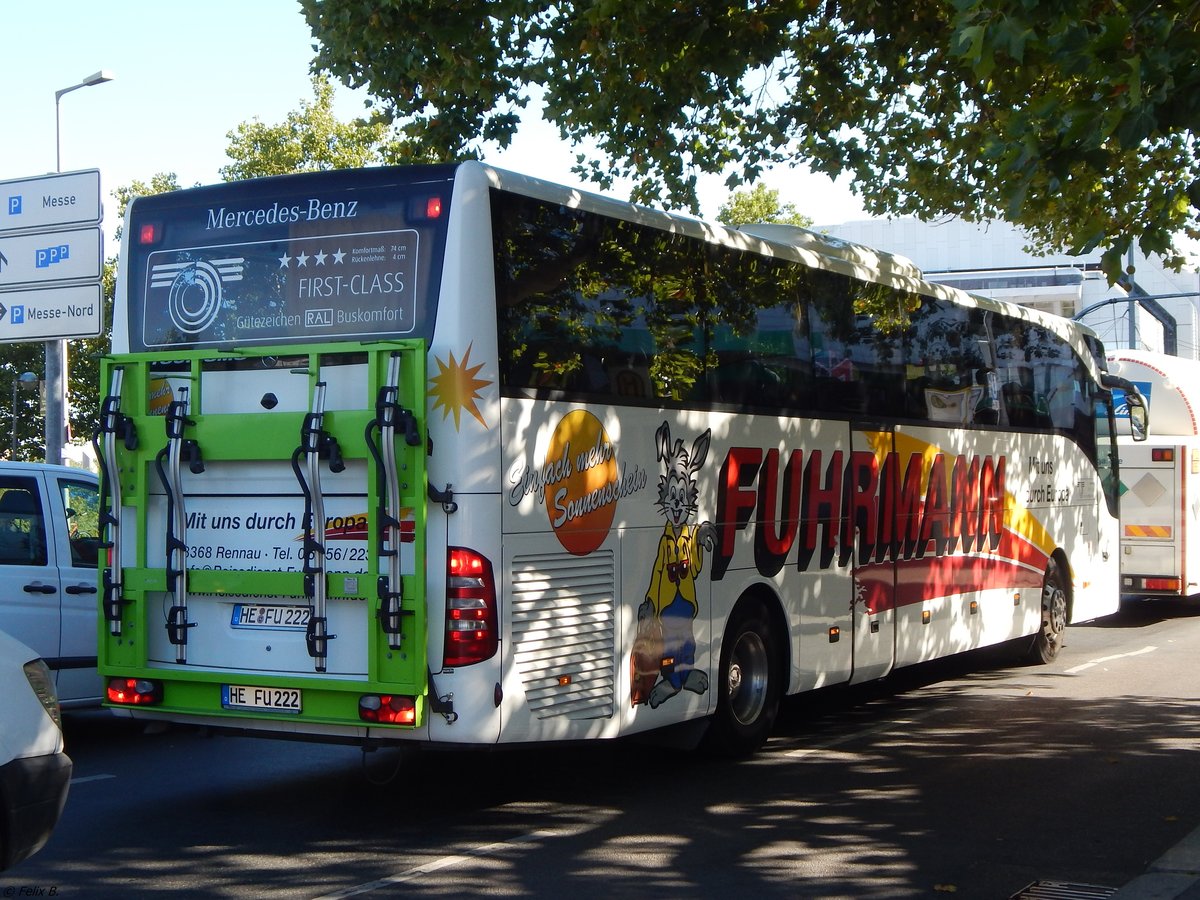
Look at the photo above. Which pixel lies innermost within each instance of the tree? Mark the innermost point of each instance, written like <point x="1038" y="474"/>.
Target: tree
<point x="760" y="204"/>
<point x="26" y="435"/>
<point x="1073" y="119"/>
<point x="312" y="139"/>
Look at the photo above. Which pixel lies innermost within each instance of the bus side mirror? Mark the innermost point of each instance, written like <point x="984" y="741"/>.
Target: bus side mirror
<point x="1139" y="417"/>
<point x="1135" y="405"/>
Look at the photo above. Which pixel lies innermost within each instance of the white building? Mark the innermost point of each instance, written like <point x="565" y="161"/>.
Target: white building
<point x="992" y="260"/>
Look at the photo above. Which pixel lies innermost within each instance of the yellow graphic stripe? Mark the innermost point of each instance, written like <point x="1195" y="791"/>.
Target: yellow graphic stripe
<point x="1017" y="518"/>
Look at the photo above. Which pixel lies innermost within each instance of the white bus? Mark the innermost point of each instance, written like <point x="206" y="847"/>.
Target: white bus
<point x="451" y="455"/>
<point x="1160" y="507"/>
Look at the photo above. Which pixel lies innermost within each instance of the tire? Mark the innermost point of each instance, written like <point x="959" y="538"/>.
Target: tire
<point x="749" y="685"/>
<point x="1055" y="603"/>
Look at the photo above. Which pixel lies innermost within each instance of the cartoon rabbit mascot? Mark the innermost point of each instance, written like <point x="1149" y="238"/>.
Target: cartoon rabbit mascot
<point x="665" y="647"/>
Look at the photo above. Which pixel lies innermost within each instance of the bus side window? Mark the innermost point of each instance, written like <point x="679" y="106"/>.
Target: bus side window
<point x="948" y="377"/>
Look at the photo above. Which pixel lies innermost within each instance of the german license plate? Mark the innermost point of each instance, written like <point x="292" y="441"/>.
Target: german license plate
<point x="260" y="699"/>
<point x="275" y="617"/>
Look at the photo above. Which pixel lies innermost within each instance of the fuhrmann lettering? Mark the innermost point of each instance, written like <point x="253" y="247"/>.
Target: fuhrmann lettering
<point x="314" y="210"/>
<point x="853" y="504"/>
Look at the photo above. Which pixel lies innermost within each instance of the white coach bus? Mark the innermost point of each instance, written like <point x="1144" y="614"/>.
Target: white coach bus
<point x="450" y="455"/>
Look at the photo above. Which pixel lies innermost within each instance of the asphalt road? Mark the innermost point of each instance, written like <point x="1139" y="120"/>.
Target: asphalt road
<point x="971" y="777"/>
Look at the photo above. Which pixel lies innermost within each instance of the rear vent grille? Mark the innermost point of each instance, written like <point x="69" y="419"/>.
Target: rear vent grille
<point x="564" y="633"/>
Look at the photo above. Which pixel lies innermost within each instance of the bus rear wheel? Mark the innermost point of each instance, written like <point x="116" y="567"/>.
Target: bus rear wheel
<point x="1049" y="637"/>
<point x="748" y="683"/>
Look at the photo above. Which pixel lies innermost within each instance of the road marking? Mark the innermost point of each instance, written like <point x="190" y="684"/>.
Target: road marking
<point x="437" y="864"/>
<point x="87" y="778"/>
<point x="1096" y="662"/>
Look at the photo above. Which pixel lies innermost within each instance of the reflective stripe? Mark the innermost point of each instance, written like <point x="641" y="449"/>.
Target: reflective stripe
<point x="1149" y="531"/>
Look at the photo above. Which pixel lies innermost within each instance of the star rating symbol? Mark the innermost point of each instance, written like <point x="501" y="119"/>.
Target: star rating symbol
<point x="318" y="258"/>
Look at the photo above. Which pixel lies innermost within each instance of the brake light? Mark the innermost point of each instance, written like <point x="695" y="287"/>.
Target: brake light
<point x="1162" y="454"/>
<point x="472" y="631"/>
<point x="134" y="691"/>
<point x="149" y="233"/>
<point x="387" y="709"/>
<point x="424" y="208"/>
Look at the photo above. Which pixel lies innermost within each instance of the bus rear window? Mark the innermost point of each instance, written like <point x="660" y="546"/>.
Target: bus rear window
<point x="298" y="259"/>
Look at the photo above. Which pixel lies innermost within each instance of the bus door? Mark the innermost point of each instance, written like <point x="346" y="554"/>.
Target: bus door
<point x="872" y="492"/>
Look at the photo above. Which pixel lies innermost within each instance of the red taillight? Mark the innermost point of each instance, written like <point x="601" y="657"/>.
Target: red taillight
<point x="387" y="709"/>
<point x="424" y="208"/>
<point x="1160" y="584"/>
<point x="1162" y="454"/>
<point x="472" y="632"/>
<point x="149" y="233"/>
<point x="134" y="691"/>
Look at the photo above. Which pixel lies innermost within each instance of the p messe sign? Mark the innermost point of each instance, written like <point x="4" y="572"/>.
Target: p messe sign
<point x="51" y="257"/>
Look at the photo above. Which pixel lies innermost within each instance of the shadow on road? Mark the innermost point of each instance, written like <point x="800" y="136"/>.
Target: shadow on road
<point x="923" y="780"/>
<point x="1141" y="613"/>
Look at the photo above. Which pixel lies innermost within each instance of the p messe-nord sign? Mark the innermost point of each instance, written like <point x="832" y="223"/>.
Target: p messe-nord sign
<point x="50" y="263"/>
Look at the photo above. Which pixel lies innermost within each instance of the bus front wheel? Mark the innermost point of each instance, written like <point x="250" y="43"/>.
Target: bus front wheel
<point x="749" y="684"/>
<point x="1049" y="637"/>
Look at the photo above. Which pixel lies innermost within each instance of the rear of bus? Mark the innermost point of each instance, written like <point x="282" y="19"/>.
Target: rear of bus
<point x="1160" y="499"/>
<point x="287" y="503"/>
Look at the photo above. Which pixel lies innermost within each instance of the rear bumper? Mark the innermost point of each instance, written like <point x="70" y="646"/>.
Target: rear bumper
<point x="32" y="794"/>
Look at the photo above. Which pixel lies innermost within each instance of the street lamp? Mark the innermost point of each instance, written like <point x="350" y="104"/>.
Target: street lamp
<point x="95" y="78"/>
<point x="56" y="351"/>
<point x="27" y="381"/>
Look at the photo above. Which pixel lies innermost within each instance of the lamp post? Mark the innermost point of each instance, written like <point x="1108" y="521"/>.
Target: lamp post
<point x="56" y="351"/>
<point x="27" y="381"/>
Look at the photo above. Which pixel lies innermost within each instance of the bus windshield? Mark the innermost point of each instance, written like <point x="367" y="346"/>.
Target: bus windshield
<point x="277" y="262"/>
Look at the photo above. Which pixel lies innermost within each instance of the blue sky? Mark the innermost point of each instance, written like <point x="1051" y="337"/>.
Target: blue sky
<point x="189" y="73"/>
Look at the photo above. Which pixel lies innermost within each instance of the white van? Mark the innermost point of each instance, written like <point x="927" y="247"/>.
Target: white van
<point x="49" y="541"/>
<point x="35" y="773"/>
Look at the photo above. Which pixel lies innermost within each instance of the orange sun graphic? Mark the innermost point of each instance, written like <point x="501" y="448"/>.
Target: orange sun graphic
<point x="455" y="388"/>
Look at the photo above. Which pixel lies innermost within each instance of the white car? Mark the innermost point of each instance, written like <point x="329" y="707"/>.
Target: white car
<point x="49" y="542"/>
<point x="34" y="771"/>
